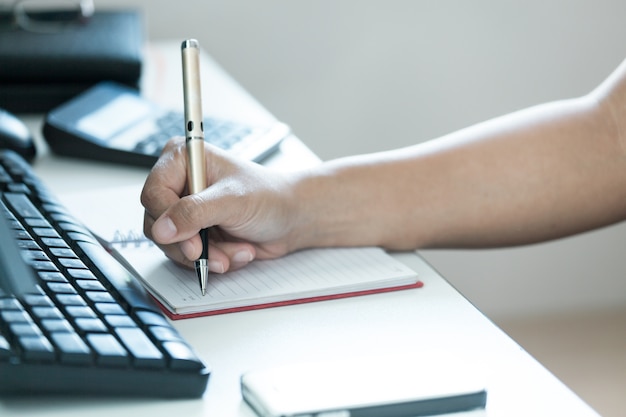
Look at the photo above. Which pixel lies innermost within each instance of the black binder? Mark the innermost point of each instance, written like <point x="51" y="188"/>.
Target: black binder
<point x="40" y="71"/>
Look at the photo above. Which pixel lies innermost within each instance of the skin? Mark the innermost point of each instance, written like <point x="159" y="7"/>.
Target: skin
<point x="541" y="173"/>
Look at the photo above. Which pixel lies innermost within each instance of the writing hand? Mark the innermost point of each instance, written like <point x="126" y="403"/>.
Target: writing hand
<point x="248" y="203"/>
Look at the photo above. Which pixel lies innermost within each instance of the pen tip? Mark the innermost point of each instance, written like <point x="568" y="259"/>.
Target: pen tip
<point x="202" y="271"/>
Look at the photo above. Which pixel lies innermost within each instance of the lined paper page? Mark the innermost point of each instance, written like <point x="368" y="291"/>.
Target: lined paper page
<point x="304" y="274"/>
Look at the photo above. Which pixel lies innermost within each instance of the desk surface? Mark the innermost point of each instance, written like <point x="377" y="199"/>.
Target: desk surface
<point x="432" y="322"/>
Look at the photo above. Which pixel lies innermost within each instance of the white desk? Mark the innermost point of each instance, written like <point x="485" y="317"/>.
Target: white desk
<point x="432" y="321"/>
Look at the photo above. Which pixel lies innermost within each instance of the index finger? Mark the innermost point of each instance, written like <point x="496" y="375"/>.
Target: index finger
<point x="167" y="180"/>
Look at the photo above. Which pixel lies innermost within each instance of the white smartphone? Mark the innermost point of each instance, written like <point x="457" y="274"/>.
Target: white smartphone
<point x="364" y="387"/>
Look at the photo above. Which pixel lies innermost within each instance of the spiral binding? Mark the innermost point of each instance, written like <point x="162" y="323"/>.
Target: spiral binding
<point x="129" y="238"/>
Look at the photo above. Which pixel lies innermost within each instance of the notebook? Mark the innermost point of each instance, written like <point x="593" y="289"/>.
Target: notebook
<point x="304" y="276"/>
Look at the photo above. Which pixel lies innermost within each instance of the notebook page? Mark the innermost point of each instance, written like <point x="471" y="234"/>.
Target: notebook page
<point x="308" y="273"/>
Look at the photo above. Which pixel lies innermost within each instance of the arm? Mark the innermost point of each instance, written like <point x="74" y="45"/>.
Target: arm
<point x="538" y="174"/>
<point x="542" y="173"/>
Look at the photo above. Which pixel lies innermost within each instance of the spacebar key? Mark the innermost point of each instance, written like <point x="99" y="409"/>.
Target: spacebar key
<point x="119" y="277"/>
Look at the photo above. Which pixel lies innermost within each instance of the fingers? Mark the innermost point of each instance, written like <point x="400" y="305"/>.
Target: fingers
<point x="230" y="256"/>
<point x="171" y="214"/>
<point x="161" y="195"/>
<point x="166" y="182"/>
<point x="223" y="256"/>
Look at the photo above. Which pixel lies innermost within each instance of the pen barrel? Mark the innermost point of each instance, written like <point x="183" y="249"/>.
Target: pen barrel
<point x="194" y="129"/>
<point x="204" y="237"/>
<point x="196" y="166"/>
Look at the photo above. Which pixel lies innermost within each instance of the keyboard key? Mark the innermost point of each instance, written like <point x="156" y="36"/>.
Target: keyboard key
<point x="109" y="351"/>
<point x="38" y="300"/>
<point x="15" y="316"/>
<point x="56" y="325"/>
<point x="100" y="297"/>
<point x="90" y="325"/>
<point x="163" y="334"/>
<point x="61" y="287"/>
<point x="119" y="320"/>
<point x="81" y="273"/>
<point x="47" y="313"/>
<point x="29" y="244"/>
<point x="55" y="210"/>
<point x="90" y="285"/>
<point x="46" y="232"/>
<point x="5" y="349"/>
<point x="71" y="347"/>
<point x="18" y="188"/>
<point x="144" y="352"/>
<point x="22" y="206"/>
<point x="22" y="234"/>
<point x="36" y="348"/>
<point x="35" y="255"/>
<point x="152" y="319"/>
<point x="70" y="226"/>
<point x="10" y="304"/>
<point x="44" y="266"/>
<point x="63" y="253"/>
<point x="54" y="242"/>
<point x="181" y="356"/>
<point x="54" y="276"/>
<point x="81" y="237"/>
<point x="72" y="263"/>
<point x="109" y="308"/>
<point x="37" y="222"/>
<point x="71" y="300"/>
<point x="5" y="178"/>
<point x="80" y="311"/>
<point x="25" y="329"/>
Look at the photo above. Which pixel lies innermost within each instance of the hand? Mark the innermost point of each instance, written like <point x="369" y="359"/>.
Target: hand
<point x="248" y="206"/>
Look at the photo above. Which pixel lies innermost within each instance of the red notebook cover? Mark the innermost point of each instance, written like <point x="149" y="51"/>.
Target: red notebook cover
<point x="175" y="316"/>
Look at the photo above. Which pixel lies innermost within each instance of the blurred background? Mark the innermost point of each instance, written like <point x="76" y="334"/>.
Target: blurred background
<point x="361" y="76"/>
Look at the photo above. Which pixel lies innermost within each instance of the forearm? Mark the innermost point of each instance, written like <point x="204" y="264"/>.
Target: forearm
<point x="538" y="174"/>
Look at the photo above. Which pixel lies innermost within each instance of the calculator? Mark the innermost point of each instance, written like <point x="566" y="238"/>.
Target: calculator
<point x="114" y="123"/>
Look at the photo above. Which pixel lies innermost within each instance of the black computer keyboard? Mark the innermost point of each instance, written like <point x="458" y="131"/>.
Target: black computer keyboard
<point x="86" y="326"/>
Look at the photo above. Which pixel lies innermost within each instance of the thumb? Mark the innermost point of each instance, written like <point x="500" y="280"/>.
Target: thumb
<point x="180" y="221"/>
<point x="164" y="230"/>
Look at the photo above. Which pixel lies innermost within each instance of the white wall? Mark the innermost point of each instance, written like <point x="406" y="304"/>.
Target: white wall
<point x="362" y="75"/>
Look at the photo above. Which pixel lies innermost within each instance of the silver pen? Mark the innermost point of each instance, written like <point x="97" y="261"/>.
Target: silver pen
<point x="194" y="140"/>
